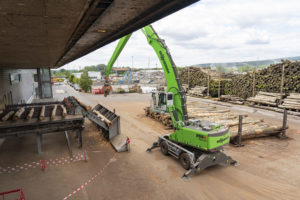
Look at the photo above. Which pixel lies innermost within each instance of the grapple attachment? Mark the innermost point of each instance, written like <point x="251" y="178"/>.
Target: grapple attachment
<point x="107" y="89"/>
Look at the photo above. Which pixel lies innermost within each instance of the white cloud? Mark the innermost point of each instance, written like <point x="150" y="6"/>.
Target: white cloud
<point x="256" y="37"/>
<point x="215" y="31"/>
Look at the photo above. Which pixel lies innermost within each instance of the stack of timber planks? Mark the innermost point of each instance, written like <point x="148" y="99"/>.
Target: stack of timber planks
<point x="291" y="102"/>
<point x="266" y="98"/>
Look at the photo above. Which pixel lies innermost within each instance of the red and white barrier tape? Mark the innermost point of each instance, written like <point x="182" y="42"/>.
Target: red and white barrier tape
<point x="44" y="163"/>
<point x="113" y="159"/>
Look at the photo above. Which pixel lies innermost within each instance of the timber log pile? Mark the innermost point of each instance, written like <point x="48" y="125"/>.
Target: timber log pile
<point x="197" y="91"/>
<point x="232" y="99"/>
<point x="267" y="80"/>
<point x="135" y="88"/>
<point x="266" y="98"/>
<point x="291" y="102"/>
<point x="196" y="77"/>
<point x="252" y="128"/>
<point x="164" y="118"/>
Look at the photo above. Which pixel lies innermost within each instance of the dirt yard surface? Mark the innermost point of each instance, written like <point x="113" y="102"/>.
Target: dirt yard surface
<point x="268" y="167"/>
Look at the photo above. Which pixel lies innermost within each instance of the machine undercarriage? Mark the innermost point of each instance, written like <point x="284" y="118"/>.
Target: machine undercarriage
<point x="192" y="159"/>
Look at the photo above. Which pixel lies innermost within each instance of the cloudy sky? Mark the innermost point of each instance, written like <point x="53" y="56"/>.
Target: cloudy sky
<point x="214" y="31"/>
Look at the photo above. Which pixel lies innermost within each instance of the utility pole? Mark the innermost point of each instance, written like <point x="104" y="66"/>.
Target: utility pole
<point x="148" y="62"/>
<point x="219" y="90"/>
<point x="188" y="77"/>
<point x="208" y="81"/>
<point x="253" y="84"/>
<point x="282" y="82"/>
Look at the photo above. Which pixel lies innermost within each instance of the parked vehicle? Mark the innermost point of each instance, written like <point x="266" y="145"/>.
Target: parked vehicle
<point x="77" y="88"/>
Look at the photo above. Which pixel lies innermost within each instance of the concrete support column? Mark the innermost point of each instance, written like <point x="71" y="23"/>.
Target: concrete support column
<point x="44" y="82"/>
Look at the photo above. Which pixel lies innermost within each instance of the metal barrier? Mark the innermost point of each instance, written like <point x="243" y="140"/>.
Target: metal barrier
<point x="20" y="196"/>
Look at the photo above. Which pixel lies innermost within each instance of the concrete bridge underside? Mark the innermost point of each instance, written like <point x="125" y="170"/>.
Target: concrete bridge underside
<point x="51" y="33"/>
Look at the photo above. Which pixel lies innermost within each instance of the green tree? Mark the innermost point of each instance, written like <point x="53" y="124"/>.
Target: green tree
<point x="68" y="74"/>
<point x="76" y="80"/>
<point x="100" y="67"/>
<point x="62" y="70"/>
<point x="71" y="78"/>
<point x="85" y="81"/>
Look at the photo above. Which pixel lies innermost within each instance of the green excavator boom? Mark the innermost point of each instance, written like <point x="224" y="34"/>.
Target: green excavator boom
<point x="120" y="46"/>
<point x="186" y="133"/>
<point x="170" y="71"/>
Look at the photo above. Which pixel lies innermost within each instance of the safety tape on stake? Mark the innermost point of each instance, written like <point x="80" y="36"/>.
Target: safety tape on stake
<point x="45" y="163"/>
<point x="83" y="185"/>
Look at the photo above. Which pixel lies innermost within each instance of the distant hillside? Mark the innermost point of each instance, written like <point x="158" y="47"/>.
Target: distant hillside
<point x="249" y="63"/>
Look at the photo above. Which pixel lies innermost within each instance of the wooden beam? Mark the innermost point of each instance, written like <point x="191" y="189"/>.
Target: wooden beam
<point x="64" y="111"/>
<point x="29" y="116"/>
<point x="7" y="116"/>
<point x="42" y="113"/>
<point x="88" y="108"/>
<point x="107" y="121"/>
<point x="53" y="114"/>
<point x="18" y="114"/>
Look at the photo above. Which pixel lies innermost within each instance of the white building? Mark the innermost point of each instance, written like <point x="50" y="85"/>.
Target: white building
<point x="93" y="75"/>
<point x="77" y="75"/>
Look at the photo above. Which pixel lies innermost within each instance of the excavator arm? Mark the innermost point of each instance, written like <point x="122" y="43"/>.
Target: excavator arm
<point x="196" y="144"/>
<point x="121" y="44"/>
<point x="178" y="110"/>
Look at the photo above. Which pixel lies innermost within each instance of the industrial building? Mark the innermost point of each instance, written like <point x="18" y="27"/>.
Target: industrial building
<point x="93" y="75"/>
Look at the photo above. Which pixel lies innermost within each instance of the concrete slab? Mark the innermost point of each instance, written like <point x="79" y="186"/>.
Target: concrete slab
<point x="119" y="143"/>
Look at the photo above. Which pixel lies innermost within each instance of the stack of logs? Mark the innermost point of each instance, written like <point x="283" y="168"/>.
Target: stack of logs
<point x="283" y="76"/>
<point x="164" y="118"/>
<point x="75" y="106"/>
<point x="135" y="88"/>
<point x="197" y="91"/>
<point x="27" y="113"/>
<point x="291" y="102"/>
<point x="193" y="76"/>
<point x="268" y="80"/>
<point x="232" y="99"/>
<point x="266" y="98"/>
<point x="252" y="128"/>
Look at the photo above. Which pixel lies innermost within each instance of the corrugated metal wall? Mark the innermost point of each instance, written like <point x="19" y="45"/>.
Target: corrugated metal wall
<point x="17" y="92"/>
